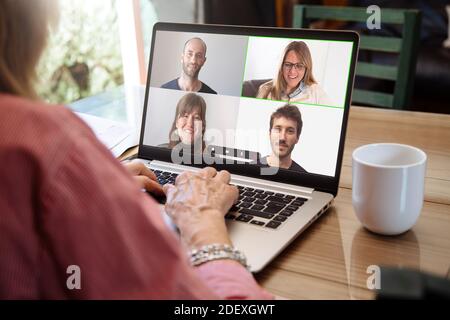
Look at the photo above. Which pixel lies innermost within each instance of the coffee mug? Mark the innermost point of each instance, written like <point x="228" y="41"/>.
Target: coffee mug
<point x="388" y="186"/>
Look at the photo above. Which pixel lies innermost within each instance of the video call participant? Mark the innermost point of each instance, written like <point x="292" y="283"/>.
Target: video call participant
<point x="285" y="129"/>
<point x="189" y="124"/>
<point x="295" y="81"/>
<point x="192" y="60"/>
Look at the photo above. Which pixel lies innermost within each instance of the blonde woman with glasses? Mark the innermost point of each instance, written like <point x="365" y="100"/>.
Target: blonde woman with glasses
<point x="295" y="81"/>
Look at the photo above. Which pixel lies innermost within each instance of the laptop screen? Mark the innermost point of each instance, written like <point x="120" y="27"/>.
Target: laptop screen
<point x="273" y="102"/>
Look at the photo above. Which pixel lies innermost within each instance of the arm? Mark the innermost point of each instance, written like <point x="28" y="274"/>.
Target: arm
<point x="197" y="204"/>
<point x="95" y="216"/>
<point x="229" y="280"/>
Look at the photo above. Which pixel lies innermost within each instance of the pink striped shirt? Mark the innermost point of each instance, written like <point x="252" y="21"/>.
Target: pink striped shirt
<point x="65" y="200"/>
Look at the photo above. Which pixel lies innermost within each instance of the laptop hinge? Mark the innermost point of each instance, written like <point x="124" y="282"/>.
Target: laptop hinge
<point x="267" y="184"/>
<point x="236" y="179"/>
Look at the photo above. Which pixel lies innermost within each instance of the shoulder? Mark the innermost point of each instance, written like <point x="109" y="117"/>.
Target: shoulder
<point x="26" y="117"/>
<point x="316" y="90"/>
<point x="266" y="85"/>
<point x="206" y="89"/>
<point x="264" y="89"/>
<point x="173" y="84"/>
<point x="315" y="87"/>
<point x="39" y="130"/>
<point x="320" y="95"/>
<point x="296" y="167"/>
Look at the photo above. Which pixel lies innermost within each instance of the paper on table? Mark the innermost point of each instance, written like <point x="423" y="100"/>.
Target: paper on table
<point x="116" y="136"/>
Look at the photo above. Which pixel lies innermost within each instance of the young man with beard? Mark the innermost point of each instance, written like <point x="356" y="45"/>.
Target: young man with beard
<point x="285" y="129"/>
<point x="192" y="61"/>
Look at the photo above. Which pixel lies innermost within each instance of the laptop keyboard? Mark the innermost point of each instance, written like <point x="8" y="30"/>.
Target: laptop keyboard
<point x="255" y="206"/>
<point x="264" y="208"/>
<point x="165" y="177"/>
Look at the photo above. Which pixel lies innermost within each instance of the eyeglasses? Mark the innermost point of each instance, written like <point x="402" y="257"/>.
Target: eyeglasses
<point x="288" y="66"/>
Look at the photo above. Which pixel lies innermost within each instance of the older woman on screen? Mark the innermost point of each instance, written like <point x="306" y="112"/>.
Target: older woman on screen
<point x="295" y="81"/>
<point x="189" y="123"/>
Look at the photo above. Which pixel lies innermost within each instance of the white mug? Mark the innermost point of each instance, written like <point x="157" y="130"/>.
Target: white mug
<point x="388" y="186"/>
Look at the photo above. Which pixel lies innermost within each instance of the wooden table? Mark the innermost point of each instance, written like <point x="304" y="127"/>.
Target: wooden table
<point x="330" y="259"/>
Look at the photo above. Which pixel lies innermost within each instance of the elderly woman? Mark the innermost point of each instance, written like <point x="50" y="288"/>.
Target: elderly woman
<point x="294" y="81"/>
<point x="66" y="204"/>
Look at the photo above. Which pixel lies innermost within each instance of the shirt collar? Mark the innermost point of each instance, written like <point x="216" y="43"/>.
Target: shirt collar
<point x="297" y="91"/>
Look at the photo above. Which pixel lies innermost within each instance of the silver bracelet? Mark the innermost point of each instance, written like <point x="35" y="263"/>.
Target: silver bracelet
<point x="217" y="251"/>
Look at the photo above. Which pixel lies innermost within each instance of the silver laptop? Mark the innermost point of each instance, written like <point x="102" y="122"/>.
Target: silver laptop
<point x="268" y="105"/>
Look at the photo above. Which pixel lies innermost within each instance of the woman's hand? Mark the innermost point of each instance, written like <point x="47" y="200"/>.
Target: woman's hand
<point x="197" y="204"/>
<point x="144" y="177"/>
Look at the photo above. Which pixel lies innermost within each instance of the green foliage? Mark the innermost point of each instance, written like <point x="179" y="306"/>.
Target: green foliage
<point x="148" y="18"/>
<point x="83" y="56"/>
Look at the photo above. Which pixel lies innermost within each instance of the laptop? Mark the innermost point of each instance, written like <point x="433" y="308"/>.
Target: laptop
<point x="269" y="105"/>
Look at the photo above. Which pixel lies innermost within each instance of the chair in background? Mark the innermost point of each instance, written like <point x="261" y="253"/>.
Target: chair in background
<point x="405" y="47"/>
<point x="250" y="87"/>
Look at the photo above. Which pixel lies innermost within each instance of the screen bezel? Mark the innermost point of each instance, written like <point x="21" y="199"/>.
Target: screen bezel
<point x="316" y="181"/>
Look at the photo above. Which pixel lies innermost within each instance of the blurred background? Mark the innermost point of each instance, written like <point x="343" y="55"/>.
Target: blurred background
<point x="101" y="47"/>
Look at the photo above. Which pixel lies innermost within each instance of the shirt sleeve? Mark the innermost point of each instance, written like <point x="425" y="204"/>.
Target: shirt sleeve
<point x="221" y="276"/>
<point x="94" y="216"/>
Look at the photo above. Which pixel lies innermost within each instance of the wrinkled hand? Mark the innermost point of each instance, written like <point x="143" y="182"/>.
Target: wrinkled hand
<point x="144" y="177"/>
<point x="197" y="204"/>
